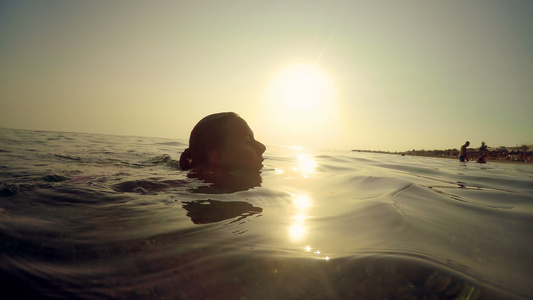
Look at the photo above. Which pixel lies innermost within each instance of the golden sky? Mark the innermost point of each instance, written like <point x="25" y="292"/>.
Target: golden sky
<point x="387" y="75"/>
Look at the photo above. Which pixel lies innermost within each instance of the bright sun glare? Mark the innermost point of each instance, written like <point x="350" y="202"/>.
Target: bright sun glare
<point x="303" y="87"/>
<point x="300" y="107"/>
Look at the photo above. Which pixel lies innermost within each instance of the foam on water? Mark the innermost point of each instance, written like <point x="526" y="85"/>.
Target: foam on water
<point x="98" y="216"/>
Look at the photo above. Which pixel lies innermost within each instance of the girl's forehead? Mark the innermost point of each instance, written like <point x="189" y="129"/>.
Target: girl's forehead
<point x="238" y="126"/>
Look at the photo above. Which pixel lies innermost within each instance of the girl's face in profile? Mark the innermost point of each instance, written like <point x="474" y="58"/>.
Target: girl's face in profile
<point x="240" y="149"/>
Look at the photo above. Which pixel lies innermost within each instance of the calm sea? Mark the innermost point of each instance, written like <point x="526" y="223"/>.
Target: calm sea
<point x="88" y="216"/>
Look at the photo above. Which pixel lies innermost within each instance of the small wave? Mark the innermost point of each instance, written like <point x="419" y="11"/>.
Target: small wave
<point x="54" y="178"/>
<point x="13" y="189"/>
<point x="174" y="144"/>
<point x="148" y="186"/>
<point x="164" y="159"/>
<point x="68" y="157"/>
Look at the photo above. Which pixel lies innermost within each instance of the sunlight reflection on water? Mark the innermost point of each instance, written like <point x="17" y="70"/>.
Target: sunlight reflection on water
<point x="298" y="229"/>
<point x="306" y="164"/>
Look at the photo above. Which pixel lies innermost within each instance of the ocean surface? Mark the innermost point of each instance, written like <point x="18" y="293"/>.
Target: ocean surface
<point x="89" y="216"/>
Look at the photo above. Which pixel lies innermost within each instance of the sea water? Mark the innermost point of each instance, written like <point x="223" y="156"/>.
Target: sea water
<point x="89" y="216"/>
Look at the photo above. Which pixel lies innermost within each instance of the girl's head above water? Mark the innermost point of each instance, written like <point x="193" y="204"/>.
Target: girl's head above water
<point x="222" y="141"/>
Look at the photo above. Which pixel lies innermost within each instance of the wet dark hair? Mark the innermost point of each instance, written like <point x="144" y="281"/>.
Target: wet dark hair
<point x="208" y="135"/>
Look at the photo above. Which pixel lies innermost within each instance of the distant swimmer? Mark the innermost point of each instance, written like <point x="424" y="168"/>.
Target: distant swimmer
<point x="462" y="156"/>
<point x="481" y="159"/>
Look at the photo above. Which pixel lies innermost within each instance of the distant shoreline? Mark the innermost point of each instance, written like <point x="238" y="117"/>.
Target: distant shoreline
<point x="514" y="155"/>
<point x="501" y="161"/>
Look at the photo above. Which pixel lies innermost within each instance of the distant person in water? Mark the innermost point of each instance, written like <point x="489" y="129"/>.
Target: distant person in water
<point x="222" y="150"/>
<point x="481" y="159"/>
<point x="462" y="155"/>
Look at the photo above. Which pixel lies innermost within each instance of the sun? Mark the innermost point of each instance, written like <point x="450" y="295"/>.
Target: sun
<point x="302" y="87"/>
<point x="300" y="106"/>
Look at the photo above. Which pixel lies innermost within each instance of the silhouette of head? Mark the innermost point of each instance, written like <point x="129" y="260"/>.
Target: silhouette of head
<point x="223" y="151"/>
<point x="222" y="141"/>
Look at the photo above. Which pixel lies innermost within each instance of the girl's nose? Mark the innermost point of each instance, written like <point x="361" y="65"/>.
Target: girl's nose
<point x="260" y="147"/>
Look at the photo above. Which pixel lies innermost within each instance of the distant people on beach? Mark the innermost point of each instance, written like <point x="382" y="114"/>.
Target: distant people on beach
<point x="481" y="159"/>
<point x="223" y="151"/>
<point x="463" y="154"/>
<point x="524" y="154"/>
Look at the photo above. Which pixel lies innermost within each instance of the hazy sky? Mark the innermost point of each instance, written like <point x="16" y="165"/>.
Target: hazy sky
<point x="388" y="75"/>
